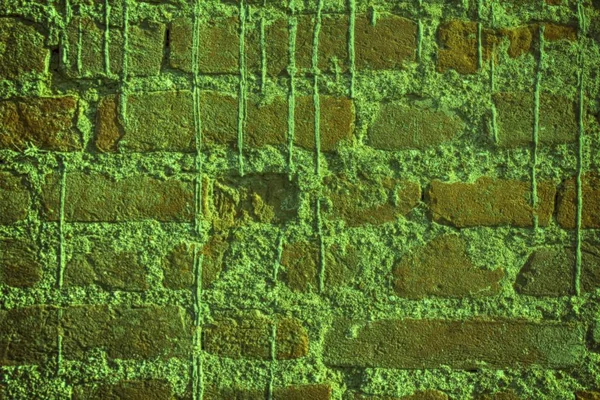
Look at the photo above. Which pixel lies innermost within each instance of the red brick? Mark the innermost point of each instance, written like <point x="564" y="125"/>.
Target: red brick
<point x="23" y="52"/>
<point x="566" y="208"/>
<point x="388" y="44"/>
<point x="130" y="390"/>
<point x="44" y="122"/>
<point x="93" y="197"/>
<point x="443" y="268"/>
<point x="125" y="333"/>
<point x="249" y="336"/>
<point x="399" y="127"/>
<point x="18" y="263"/>
<point x="28" y="335"/>
<point x="489" y="202"/>
<point x="14" y="198"/>
<point x="465" y="344"/>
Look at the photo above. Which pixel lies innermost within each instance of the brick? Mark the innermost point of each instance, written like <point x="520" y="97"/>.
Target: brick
<point x="295" y="392"/>
<point x="332" y="48"/>
<point x="587" y="395"/>
<point x="464" y="344"/>
<point x="387" y="45"/>
<point x="27" y="335"/>
<point x="249" y="336"/>
<point x="489" y="202"/>
<point x="130" y="390"/>
<point x="219" y="116"/>
<point x="418" y="395"/>
<point x="443" y="268"/>
<point x="106" y="267"/>
<point x="557" y="122"/>
<point x="23" y="53"/>
<point x="156" y="121"/>
<point x="566" y="208"/>
<point x="336" y="122"/>
<point x="399" y="127"/>
<point x="369" y="200"/>
<point x="124" y="333"/>
<point x="94" y="197"/>
<point x="524" y="39"/>
<point x="258" y="197"/>
<point x="14" y="198"/>
<point x="266" y="124"/>
<point x="47" y="123"/>
<point x="178" y="266"/>
<point x="506" y="395"/>
<point x="276" y="44"/>
<point x="551" y="271"/>
<point x="18" y="263"/>
<point x="301" y="262"/>
<point x="144" y="51"/>
<point x="458" y="46"/>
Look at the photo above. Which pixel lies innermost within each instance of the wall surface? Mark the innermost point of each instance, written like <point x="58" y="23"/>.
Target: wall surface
<point x="320" y="199"/>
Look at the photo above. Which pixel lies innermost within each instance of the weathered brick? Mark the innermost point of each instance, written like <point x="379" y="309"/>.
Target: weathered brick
<point x="15" y="198"/>
<point x="551" y="271"/>
<point x="368" y="200"/>
<point x="218" y="45"/>
<point x="44" y="122"/>
<point x="296" y="392"/>
<point x="27" y="335"/>
<point x="458" y="46"/>
<point x="302" y="265"/>
<point x="106" y="267"/>
<point x="418" y="395"/>
<point x="155" y="121"/>
<point x="22" y="52"/>
<point x="94" y="197"/>
<point x="587" y="395"/>
<point x="249" y="336"/>
<point x="219" y="116"/>
<point x="336" y="122"/>
<point x="332" y="46"/>
<point x="125" y="333"/>
<point x="388" y="44"/>
<point x="144" y="50"/>
<point x="178" y="266"/>
<point x="557" y="122"/>
<point x="266" y="124"/>
<point x="276" y="47"/>
<point x="489" y="202"/>
<point x="505" y="395"/>
<point x="566" y="208"/>
<point x="259" y="197"/>
<point x="18" y="263"/>
<point x="465" y="344"/>
<point x="399" y="127"/>
<point x="130" y="390"/>
<point x="443" y="268"/>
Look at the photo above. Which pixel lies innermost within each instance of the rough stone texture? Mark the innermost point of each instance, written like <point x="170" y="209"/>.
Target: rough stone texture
<point x="506" y="395"/>
<point x="369" y="200"/>
<point x="418" y="395"/>
<point x="295" y="392"/>
<point x="14" y="198"/>
<point x="130" y="390"/>
<point x="414" y="344"/>
<point x="27" y="335"/>
<point x="265" y="198"/>
<point x="387" y="45"/>
<point x="267" y="123"/>
<point x="336" y="122"/>
<point x="399" y="127"/>
<point x="19" y="266"/>
<point x="443" y="268"/>
<point x="332" y="47"/>
<point x="47" y="123"/>
<point x="525" y="39"/>
<point x="515" y="119"/>
<point x="219" y="116"/>
<point x="93" y="197"/>
<point x="566" y="207"/>
<point x="23" y="52"/>
<point x="125" y="333"/>
<point x="489" y="202"/>
<point x="155" y="121"/>
<point x="276" y="47"/>
<point x="551" y="271"/>
<point x="106" y="267"/>
<point x="587" y="395"/>
<point x="249" y="336"/>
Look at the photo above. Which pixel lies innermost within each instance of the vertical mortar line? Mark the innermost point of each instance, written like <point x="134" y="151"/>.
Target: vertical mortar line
<point x="536" y="123"/>
<point x="292" y="89"/>
<point x="263" y="51"/>
<point x="106" y="37"/>
<point x="419" y="31"/>
<point x="242" y="88"/>
<point x="197" y="356"/>
<point x="479" y="44"/>
<point x="273" y="359"/>
<point x="65" y="38"/>
<point x="125" y="66"/>
<point x="79" y="46"/>
<point x="351" y="51"/>
<point x="61" y="257"/>
<point x="581" y="60"/>
<point x="373" y="15"/>
<point x="493" y="78"/>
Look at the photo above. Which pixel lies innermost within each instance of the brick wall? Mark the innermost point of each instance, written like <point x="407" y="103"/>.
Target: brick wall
<point x="275" y="199"/>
